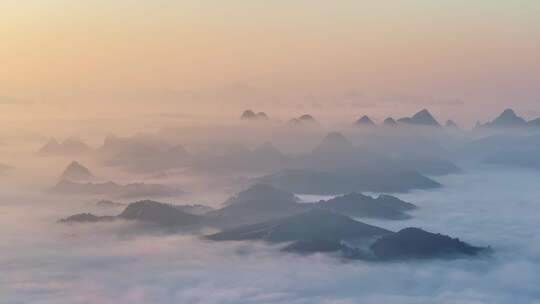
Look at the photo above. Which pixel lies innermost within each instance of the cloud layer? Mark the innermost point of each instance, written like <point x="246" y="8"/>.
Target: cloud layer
<point x="42" y="262"/>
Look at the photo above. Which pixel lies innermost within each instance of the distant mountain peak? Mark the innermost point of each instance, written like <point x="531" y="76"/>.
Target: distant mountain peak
<point x="262" y="192"/>
<point x="416" y="243"/>
<point x="389" y="122"/>
<point x="451" y="124"/>
<point x="251" y="115"/>
<point x="508" y="118"/>
<point x="69" y="146"/>
<point x="248" y="114"/>
<point x="306" y="118"/>
<point x="76" y="172"/>
<point x="423" y="117"/>
<point x="365" y="120"/>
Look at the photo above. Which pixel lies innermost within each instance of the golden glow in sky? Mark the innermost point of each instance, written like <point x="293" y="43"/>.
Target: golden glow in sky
<point x="205" y="56"/>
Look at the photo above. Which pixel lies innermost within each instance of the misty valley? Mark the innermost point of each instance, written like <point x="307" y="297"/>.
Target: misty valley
<point x="264" y="210"/>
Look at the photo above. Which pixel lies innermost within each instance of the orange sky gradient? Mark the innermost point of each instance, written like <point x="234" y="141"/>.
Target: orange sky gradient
<point x="466" y="60"/>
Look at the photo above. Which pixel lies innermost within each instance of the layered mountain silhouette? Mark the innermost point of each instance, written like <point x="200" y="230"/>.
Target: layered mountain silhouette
<point x="159" y="213"/>
<point x="146" y="212"/>
<point x="76" y="172"/>
<point x="258" y="203"/>
<point x="415" y="243"/>
<point x="312" y="225"/>
<point x="325" y="231"/>
<point x="426" y="164"/>
<point x="374" y="180"/>
<point x="262" y="202"/>
<point x="505" y="149"/>
<point x="68" y="147"/>
<point x="336" y="166"/>
<point x="113" y="144"/>
<point x="359" y="205"/>
<point x="264" y="213"/>
<point x="422" y="118"/>
<point x="142" y="153"/>
<point x="238" y="158"/>
<point x="133" y="190"/>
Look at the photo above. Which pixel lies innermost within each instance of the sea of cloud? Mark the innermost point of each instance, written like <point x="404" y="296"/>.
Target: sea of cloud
<point x="45" y="262"/>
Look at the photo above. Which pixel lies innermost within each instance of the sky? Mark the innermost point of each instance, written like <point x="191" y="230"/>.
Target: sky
<point x="466" y="60"/>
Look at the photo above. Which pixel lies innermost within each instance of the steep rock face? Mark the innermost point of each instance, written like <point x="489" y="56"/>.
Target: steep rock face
<point x="415" y="243"/>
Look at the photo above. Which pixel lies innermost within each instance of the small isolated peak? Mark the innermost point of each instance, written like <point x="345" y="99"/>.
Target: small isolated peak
<point x="509" y="112"/>
<point x="248" y="114"/>
<point x="508" y="118"/>
<point x="306" y="118"/>
<point x="251" y="115"/>
<point x="76" y="172"/>
<point x="451" y="124"/>
<point x="424" y="117"/>
<point x="365" y="120"/>
<point x="389" y="122"/>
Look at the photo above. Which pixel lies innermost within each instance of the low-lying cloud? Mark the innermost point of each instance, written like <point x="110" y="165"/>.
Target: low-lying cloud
<point x="43" y="262"/>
